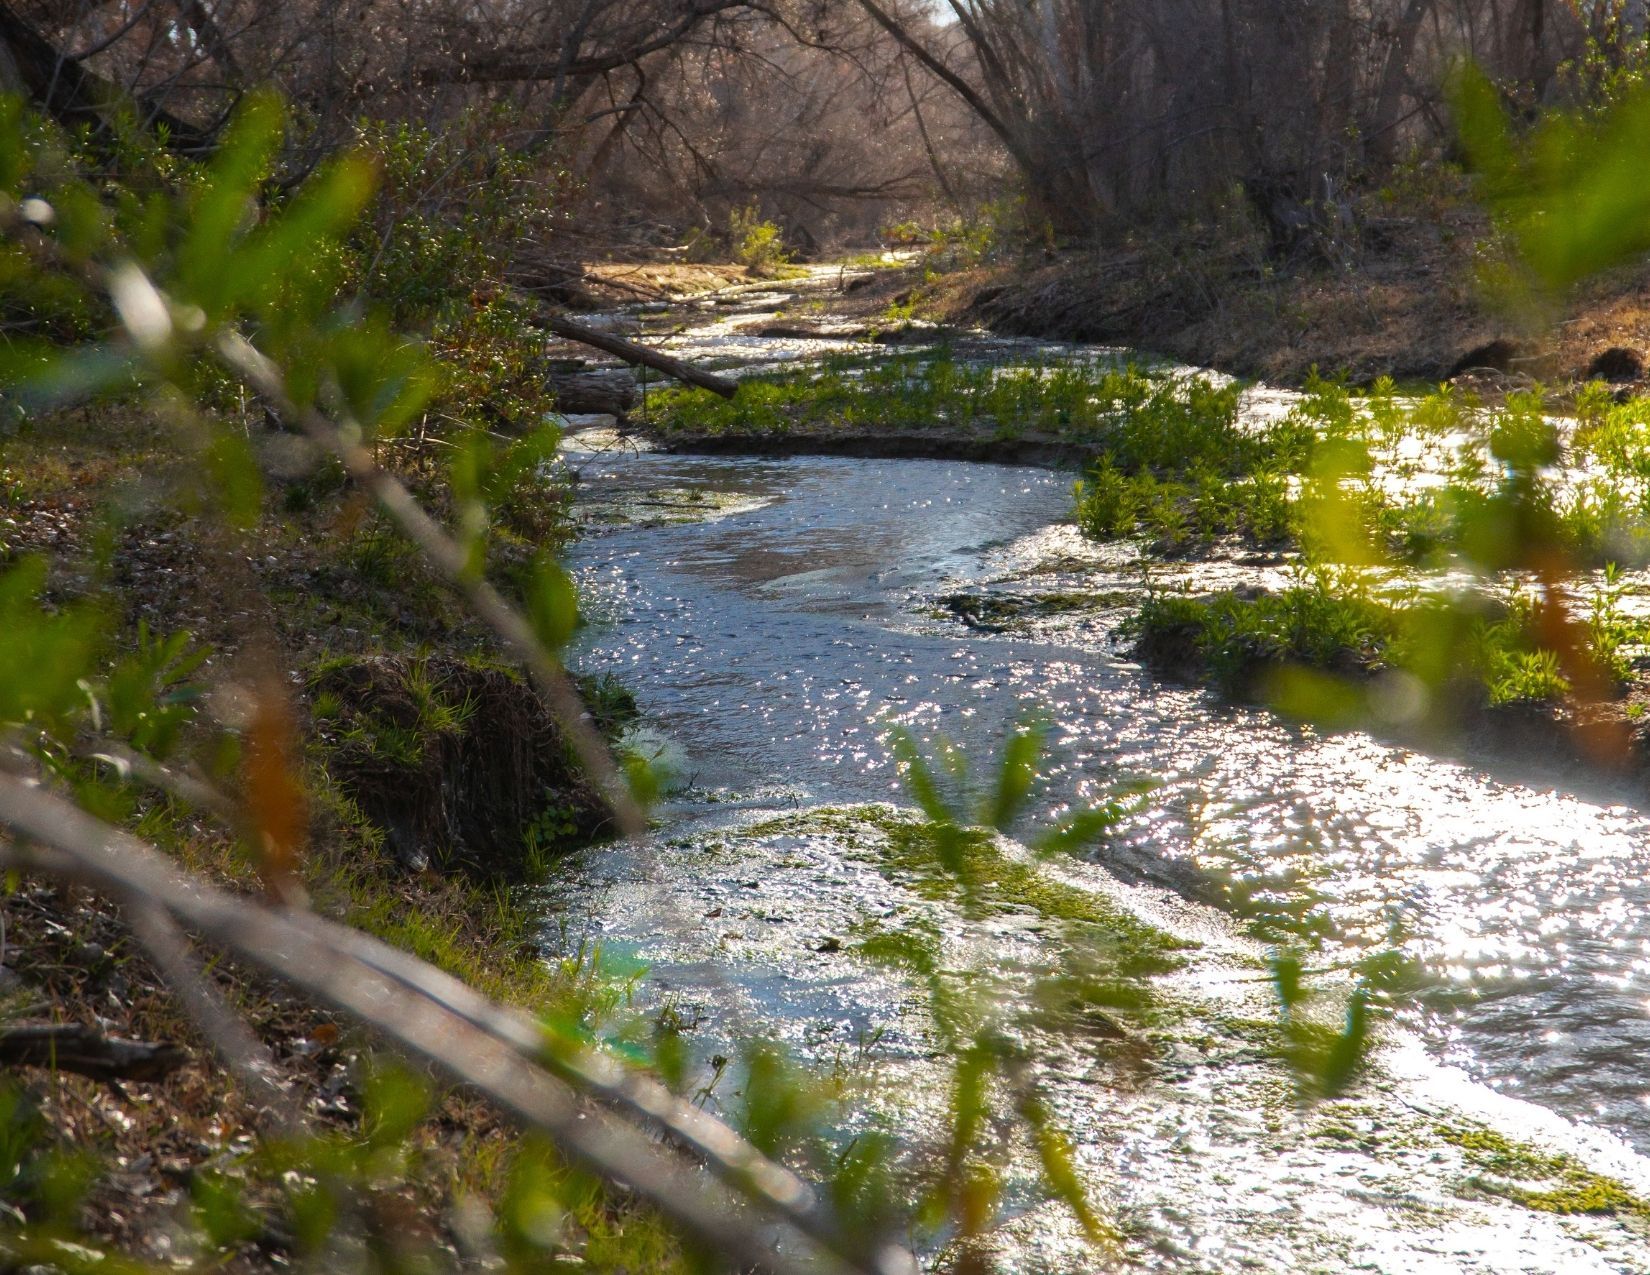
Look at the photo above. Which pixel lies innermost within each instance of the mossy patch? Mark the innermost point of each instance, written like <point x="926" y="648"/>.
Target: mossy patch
<point x="1546" y="1182"/>
<point x="983" y="875"/>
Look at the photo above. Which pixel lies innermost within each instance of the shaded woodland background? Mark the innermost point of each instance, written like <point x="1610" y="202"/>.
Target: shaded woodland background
<point x="651" y="119"/>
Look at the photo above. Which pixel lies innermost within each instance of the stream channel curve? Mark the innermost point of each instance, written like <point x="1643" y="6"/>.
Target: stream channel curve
<point x="776" y="616"/>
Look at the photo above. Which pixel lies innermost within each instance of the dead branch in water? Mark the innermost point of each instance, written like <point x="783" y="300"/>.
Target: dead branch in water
<point x="641" y="355"/>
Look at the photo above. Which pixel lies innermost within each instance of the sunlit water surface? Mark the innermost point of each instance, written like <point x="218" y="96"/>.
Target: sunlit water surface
<point x="773" y="644"/>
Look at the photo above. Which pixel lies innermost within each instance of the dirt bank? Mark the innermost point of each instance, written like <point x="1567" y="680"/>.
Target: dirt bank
<point x="937" y="444"/>
<point x="429" y="774"/>
<point x="1404" y="298"/>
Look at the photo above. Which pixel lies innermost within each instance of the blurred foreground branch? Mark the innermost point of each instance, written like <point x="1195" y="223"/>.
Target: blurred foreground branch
<point x="500" y="1053"/>
<point x="445" y="554"/>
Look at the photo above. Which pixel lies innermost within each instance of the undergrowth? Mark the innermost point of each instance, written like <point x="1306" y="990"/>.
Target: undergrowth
<point x="1492" y="650"/>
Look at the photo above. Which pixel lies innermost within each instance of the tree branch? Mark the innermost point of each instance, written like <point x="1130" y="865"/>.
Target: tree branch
<point x="474" y="1041"/>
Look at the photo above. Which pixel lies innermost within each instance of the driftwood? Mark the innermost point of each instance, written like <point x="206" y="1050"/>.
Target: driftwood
<point x="611" y="391"/>
<point x="641" y="355"/>
<point x="85" y="1051"/>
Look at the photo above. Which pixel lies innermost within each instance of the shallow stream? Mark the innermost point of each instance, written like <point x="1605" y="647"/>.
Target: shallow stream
<point x="776" y="617"/>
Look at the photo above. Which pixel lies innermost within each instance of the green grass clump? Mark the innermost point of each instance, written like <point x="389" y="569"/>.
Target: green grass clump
<point x="1143" y="420"/>
<point x="1199" y="504"/>
<point x="1334" y="624"/>
<point x="1232" y="636"/>
<point x="758" y="245"/>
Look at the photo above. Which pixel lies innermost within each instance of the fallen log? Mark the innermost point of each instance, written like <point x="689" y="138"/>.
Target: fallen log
<point x="87" y="1052"/>
<point x="641" y="355"/>
<point x="611" y="392"/>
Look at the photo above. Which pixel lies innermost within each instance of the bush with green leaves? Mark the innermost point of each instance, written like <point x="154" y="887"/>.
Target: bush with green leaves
<point x="205" y="279"/>
<point x="451" y="210"/>
<point x="189" y="282"/>
<point x="758" y="245"/>
<point x="992" y="231"/>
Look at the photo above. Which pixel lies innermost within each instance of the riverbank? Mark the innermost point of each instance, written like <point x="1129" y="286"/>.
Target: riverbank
<point x="396" y="692"/>
<point x="426" y="786"/>
<point x="1413" y="285"/>
<point x="1403" y="292"/>
<point x="1210" y="495"/>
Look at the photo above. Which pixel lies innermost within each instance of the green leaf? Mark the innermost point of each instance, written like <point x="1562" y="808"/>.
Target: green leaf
<point x="394" y="1101"/>
<point x="1287" y="978"/>
<point x="234" y="472"/>
<point x="552" y="603"/>
<point x="15" y="161"/>
<point x="43" y="376"/>
<point x="1016" y="774"/>
<point x="221" y="1210"/>
<point x="918" y="778"/>
<point x="325" y="207"/>
<point x="1349" y="1049"/>
<point x="781" y="1104"/>
<point x="1087" y="828"/>
<point x="45" y="657"/>
<point x="386" y="379"/>
<point x="226" y="202"/>
<point x="970" y="1103"/>
<point x="148" y="695"/>
<point x="1572" y="192"/>
<point x="1059" y="1165"/>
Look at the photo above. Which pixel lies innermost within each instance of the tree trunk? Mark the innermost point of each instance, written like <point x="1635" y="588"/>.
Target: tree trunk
<point x="580" y="392"/>
<point x="70" y="93"/>
<point x="1382" y="131"/>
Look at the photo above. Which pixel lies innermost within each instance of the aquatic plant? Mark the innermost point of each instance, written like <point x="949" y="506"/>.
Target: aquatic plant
<point x="1142" y="420"/>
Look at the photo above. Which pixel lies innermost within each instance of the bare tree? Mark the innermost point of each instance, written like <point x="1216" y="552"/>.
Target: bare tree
<point x="1117" y="107"/>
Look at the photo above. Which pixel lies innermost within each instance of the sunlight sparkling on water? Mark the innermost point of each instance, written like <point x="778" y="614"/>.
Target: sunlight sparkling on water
<point x="778" y="643"/>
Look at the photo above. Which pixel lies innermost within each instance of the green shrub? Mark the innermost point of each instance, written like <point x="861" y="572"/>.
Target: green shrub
<point x="1326" y="622"/>
<point x="758" y="245"/>
<point x="1333" y="623"/>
